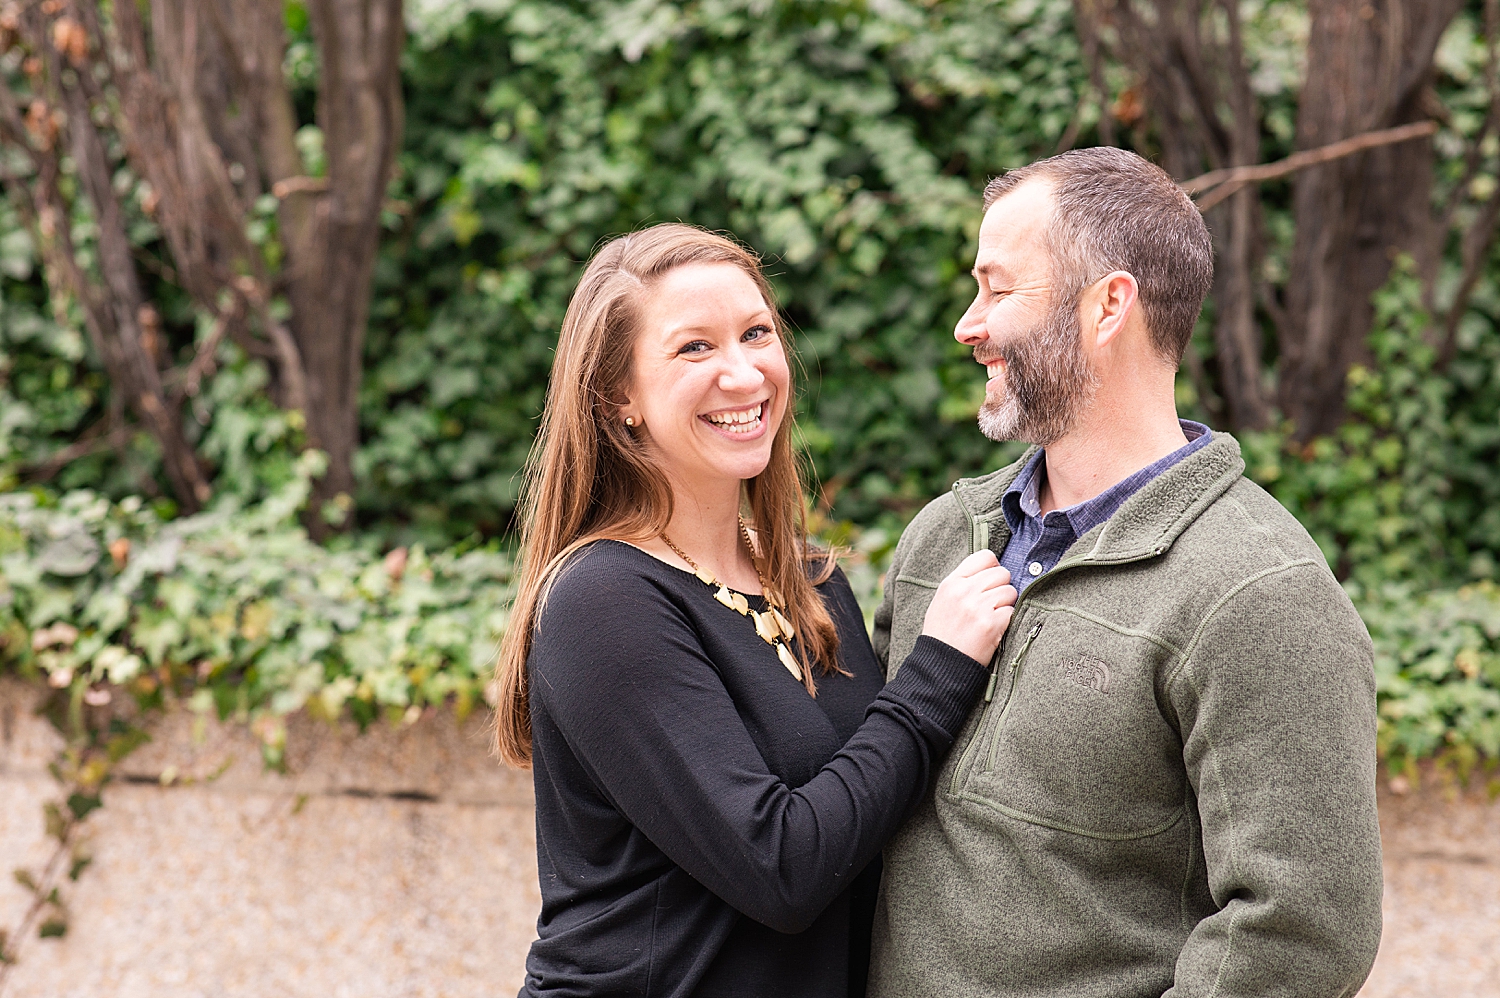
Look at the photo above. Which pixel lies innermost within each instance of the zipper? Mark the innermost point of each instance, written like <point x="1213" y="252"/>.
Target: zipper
<point x="979" y="537"/>
<point x="1015" y="672"/>
<point x="989" y="693"/>
<point x="973" y="747"/>
<point x="989" y="690"/>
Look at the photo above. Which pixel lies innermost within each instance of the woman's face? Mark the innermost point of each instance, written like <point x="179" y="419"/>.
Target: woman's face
<point x="710" y="382"/>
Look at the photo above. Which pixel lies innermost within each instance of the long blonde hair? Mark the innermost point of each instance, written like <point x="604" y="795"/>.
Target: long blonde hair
<point x="587" y="478"/>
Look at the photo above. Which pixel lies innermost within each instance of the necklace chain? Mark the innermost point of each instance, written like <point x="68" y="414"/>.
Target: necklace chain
<point x="772" y="626"/>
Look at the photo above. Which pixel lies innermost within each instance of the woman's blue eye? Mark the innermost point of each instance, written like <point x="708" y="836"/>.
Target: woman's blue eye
<point x="751" y="335"/>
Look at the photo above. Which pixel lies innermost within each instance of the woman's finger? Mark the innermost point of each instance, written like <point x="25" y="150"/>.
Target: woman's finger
<point x="991" y="578"/>
<point x="975" y="563"/>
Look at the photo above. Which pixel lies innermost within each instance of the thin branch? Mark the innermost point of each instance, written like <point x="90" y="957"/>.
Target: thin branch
<point x="202" y="364"/>
<point x="292" y="369"/>
<point x="1226" y="182"/>
<point x="1474" y="155"/>
<point x="1479" y="239"/>
<point x="298" y="185"/>
<point x="1477" y="243"/>
<point x="1244" y="142"/>
<point x="1084" y="17"/>
<point x="1201" y="90"/>
<point x="1070" y="133"/>
<point x="51" y="873"/>
<point x="155" y="265"/>
<point x="1198" y="374"/>
<point x="88" y="444"/>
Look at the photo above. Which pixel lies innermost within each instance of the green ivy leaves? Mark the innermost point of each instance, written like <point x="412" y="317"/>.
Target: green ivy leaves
<point x="237" y="611"/>
<point x="846" y="144"/>
<point x="1437" y="671"/>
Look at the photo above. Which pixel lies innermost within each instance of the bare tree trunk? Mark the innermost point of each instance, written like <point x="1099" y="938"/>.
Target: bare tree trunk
<point x="1235" y="227"/>
<point x="360" y="112"/>
<point x="195" y="90"/>
<point x="127" y="302"/>
<point x="1197" y="93"/>
<point x="1369" y="66"/>
<point x="113" y="302"/>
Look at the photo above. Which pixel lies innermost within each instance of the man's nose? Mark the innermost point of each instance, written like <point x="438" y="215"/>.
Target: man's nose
<point x="970" y="330"/>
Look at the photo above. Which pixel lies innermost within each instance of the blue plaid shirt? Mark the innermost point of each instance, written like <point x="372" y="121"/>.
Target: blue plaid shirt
<point x="1037" y="542"/>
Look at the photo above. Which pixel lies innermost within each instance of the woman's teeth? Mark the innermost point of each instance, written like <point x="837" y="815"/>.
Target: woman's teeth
<point x="744" y="421"/>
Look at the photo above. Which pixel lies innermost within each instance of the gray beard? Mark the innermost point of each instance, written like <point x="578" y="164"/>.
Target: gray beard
<point x="1048" y="380"/>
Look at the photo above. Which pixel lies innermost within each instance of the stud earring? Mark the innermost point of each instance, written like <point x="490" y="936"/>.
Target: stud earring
<point x="629" y="420"/>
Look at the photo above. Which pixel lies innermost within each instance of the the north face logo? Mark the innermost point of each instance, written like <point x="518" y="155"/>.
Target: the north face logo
<point x="1086" y="671"/>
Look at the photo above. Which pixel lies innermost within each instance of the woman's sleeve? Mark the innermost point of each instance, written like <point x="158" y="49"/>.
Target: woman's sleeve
<point x="624" y="677"/>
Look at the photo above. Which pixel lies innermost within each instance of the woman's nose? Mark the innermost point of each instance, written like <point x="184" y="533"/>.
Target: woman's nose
<point x="740" y="373"/>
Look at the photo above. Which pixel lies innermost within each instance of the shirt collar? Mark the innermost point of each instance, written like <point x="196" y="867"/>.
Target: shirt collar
<point x="1023" y="499"/>
<point x="1020" y="500"/>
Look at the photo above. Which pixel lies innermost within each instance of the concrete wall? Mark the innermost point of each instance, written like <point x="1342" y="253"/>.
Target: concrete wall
<point x="391" y="864"/>
<point x="1442" y="894"/>
<point x="402" y="863"/>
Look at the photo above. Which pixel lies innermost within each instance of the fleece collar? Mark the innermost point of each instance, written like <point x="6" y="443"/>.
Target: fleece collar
<point x="1148" y="522"/>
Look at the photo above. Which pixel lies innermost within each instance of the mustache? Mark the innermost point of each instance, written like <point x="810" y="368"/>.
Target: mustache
<point x="988" y="352"/>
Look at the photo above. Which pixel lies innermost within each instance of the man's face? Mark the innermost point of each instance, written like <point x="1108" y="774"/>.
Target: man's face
<point x="1023" y="327"/>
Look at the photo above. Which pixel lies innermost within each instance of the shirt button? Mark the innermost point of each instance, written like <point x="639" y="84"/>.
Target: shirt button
<point x="1035" y="568"/>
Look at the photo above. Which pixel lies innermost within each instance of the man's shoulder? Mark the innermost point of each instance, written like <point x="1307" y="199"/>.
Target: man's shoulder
<point x="1211" y="521"/>
<point x="1197" y="539"/>
<point x="1246" y="549"/>
<point x="1247" y="520"/>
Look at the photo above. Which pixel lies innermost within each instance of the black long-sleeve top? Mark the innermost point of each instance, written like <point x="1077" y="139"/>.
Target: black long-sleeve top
<point x="704" y="827"/>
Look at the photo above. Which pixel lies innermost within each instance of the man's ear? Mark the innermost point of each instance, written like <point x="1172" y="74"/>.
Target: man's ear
<point x="1110" y="306"/>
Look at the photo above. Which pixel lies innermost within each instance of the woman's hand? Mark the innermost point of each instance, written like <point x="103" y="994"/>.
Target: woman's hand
<point x="973" y="607"/>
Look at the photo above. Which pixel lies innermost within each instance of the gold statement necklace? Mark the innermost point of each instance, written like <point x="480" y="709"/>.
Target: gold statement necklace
<point x="772" y="626"/>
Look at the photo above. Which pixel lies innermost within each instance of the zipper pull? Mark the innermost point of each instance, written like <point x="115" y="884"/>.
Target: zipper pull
<point x="1030" y="637"/>
<point x="989" y="691"/>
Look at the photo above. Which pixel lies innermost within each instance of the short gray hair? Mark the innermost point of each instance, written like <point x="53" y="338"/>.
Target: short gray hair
<point x="1112" y="210"/>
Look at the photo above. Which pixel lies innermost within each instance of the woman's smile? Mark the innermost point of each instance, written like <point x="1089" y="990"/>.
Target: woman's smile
<point x="738" y="424"/>
<point x="709" y="388"/>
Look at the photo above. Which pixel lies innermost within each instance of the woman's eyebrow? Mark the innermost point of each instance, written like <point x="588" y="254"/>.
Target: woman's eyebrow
<point x="694" y="327"/>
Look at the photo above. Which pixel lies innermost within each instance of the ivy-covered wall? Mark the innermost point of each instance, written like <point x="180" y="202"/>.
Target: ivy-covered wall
<point x="845" y="141"/>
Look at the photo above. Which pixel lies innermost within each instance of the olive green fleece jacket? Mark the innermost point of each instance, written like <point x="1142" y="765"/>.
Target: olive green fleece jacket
<point x="1171" y="788"/>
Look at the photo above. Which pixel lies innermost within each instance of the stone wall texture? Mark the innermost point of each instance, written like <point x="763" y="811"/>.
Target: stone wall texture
<point x="397" y="862"/>
<point x="401" y="862"/>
